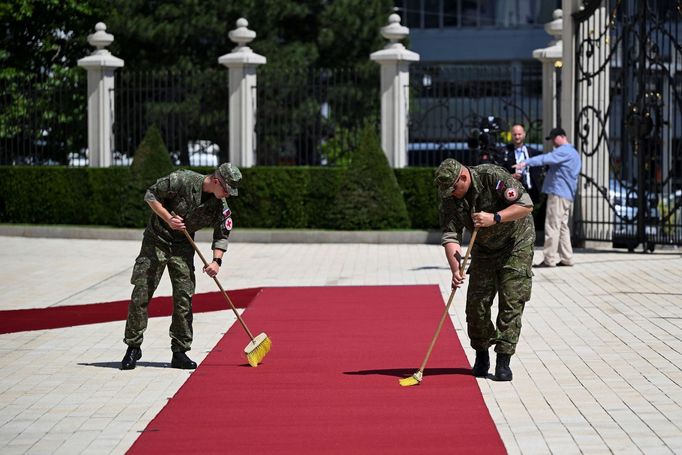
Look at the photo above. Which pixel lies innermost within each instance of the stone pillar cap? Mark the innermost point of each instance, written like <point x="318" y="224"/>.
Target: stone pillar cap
<point x="100" y="57"/>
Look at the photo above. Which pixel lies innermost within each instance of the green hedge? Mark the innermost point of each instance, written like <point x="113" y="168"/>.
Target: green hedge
<point x="269" y="197"/>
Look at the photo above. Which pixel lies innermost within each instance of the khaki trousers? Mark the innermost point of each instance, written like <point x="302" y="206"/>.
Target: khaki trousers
<point x="557" y="234"/>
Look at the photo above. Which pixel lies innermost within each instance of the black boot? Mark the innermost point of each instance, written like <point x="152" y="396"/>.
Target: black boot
<point x="482" y="364"/>
<point x="131" y="358"/>
<point x="180" y="360"/>
<point x="502" y="370"/>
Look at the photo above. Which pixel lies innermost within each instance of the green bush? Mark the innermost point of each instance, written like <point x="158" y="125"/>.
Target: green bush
<point x="22" y="192"/>
<point x="270" y="197"/>
<point x="370" y="197"/>
<point x="420" y="195"/>
<point x="150" y="162"/>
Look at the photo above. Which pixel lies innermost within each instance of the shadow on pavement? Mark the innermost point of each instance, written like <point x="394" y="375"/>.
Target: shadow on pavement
<point x="405" y="372"/>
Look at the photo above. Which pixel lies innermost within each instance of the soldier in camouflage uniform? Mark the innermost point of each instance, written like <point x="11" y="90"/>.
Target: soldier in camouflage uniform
<point x="196" y="201"/>
<point x="489" y="198"/>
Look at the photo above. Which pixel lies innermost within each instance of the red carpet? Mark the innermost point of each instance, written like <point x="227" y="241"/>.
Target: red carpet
<point x="330" y="382"/>
<point x="72" y="315"/>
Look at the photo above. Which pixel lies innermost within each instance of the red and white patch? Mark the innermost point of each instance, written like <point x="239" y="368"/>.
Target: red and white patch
<point x="229" y="224"/>
<point x="500" y="185"/>
<point x="511" y="194"/>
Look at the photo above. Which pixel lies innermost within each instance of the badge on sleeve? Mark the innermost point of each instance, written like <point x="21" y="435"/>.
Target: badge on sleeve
<point x="511" y="194"/>
<point x="500" y="185"/>
<point x="228" y="223"/>
<point x="227" y="213"/>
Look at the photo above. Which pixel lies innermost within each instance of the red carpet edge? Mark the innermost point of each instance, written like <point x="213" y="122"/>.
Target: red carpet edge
<point x="73" y="315"/>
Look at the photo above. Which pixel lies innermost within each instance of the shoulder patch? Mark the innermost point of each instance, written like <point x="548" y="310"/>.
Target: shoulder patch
<point x="511" y="194"/>
<point x="500" y="185"/>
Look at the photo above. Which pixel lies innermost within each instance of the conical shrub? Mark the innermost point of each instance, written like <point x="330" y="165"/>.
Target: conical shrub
<point x="151" y="162"/>
<point x="370" y="197"/>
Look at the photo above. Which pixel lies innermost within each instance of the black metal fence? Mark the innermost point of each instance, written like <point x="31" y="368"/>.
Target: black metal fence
<point x="43" y="118"/>
<point x="447" y="102"/>
<point x="190" y="109"/>
<point x="303" y="117"/>
<point x="313" y="116"/>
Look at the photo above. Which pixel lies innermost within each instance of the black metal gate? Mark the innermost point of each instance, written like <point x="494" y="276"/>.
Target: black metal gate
<point x="450" y="102"/>
<point x="628" y="122"/>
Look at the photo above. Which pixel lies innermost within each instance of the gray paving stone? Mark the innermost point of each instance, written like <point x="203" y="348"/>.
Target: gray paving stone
<point x="597" y="369"/>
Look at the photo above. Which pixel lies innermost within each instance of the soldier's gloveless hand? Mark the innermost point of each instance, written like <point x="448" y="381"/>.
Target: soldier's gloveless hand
<point x="177" y="223"/>
<point x="211" y="269"/>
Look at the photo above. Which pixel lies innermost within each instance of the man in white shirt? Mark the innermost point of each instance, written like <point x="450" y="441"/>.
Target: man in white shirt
<point x="516" y="152"/>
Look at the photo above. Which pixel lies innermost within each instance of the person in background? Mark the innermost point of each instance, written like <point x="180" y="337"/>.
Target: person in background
<point x="517" y="151"/>
<point x="560" y="185"/>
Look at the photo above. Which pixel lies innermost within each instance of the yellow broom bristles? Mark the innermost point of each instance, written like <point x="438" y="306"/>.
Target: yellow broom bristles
<point x="415" y="379"/>
<point x="258" y="353"/>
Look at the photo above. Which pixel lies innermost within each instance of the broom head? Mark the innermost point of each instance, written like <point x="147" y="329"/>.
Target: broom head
<point x="257" y="349"/>
<point x="415" y="379"/>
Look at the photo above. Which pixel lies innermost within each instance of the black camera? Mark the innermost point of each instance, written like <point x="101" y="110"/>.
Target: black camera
<point x="484" y="138"/>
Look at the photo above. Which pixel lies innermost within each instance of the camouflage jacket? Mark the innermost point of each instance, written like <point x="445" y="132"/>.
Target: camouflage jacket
<point x="181" y="192"/>
<point x="492" y="190"/>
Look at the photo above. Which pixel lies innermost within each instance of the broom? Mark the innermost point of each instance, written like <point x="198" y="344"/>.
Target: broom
<point x="417" y="377"/>
<point x="259" y="346"/>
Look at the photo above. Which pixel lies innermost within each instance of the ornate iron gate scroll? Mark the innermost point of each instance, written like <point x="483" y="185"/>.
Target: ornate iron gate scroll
<point x="628" y="122"/>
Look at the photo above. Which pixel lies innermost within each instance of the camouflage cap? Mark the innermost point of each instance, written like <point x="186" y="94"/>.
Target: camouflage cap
<point x="231" y="175"/>
<point x="446" y="174"/>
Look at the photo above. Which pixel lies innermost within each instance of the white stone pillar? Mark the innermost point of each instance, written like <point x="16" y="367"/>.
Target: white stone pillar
<point x="100" y="66"/>
<point x="242" y="63"/>
<point x="567" y="69"/>
<point x="395" y="61"/>
<point x="551" y="58"/>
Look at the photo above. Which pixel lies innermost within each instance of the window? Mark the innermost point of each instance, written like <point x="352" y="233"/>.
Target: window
<point x="475" y="13"/>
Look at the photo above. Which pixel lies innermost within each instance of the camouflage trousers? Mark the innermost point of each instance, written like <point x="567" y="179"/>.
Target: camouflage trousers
<point x="153" y="259"/>
<point x="509" y="276"/>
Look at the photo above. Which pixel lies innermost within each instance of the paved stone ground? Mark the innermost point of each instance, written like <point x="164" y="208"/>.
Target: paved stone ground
<point x="597" y="369"/>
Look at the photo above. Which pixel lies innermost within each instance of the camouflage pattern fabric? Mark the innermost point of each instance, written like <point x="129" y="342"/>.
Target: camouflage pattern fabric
<point x="501" y="259"/>
<point x="179" y="192"/>
<point x="149" y="266"/>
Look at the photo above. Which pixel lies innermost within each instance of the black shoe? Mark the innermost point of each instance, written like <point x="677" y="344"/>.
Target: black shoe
<point x="482" y="364"/>
<point x="541" y="265"/>
<point x="564" y="264"/>
<point x="131" y="358"/>
<point x="502" y="370"/>
<point x="180" y="360"/>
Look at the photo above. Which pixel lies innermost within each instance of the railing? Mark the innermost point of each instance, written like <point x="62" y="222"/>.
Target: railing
<point x="43" y="120"/>
<point x="312" y="117"/>
<point x="449" y="101"/>
<point x="190" y="109"/>
<point x="303" y="117"/>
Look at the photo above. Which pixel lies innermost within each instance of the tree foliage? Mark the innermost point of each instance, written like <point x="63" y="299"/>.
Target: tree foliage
<point x="42" y="89"/>
<point x="47" y="37"/>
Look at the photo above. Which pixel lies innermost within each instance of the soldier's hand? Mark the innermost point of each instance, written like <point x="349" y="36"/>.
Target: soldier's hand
<point x="177" y="223"/>
<point x="483" y="219"/>
<point x="211" y="269"/>
<point x="516" y="175"/>
<point x="457" y="279"/>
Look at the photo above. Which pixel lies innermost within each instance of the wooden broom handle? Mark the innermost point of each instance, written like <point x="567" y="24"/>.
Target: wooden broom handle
<point x="447" y="307"/>
<point x="236" y="313"/>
